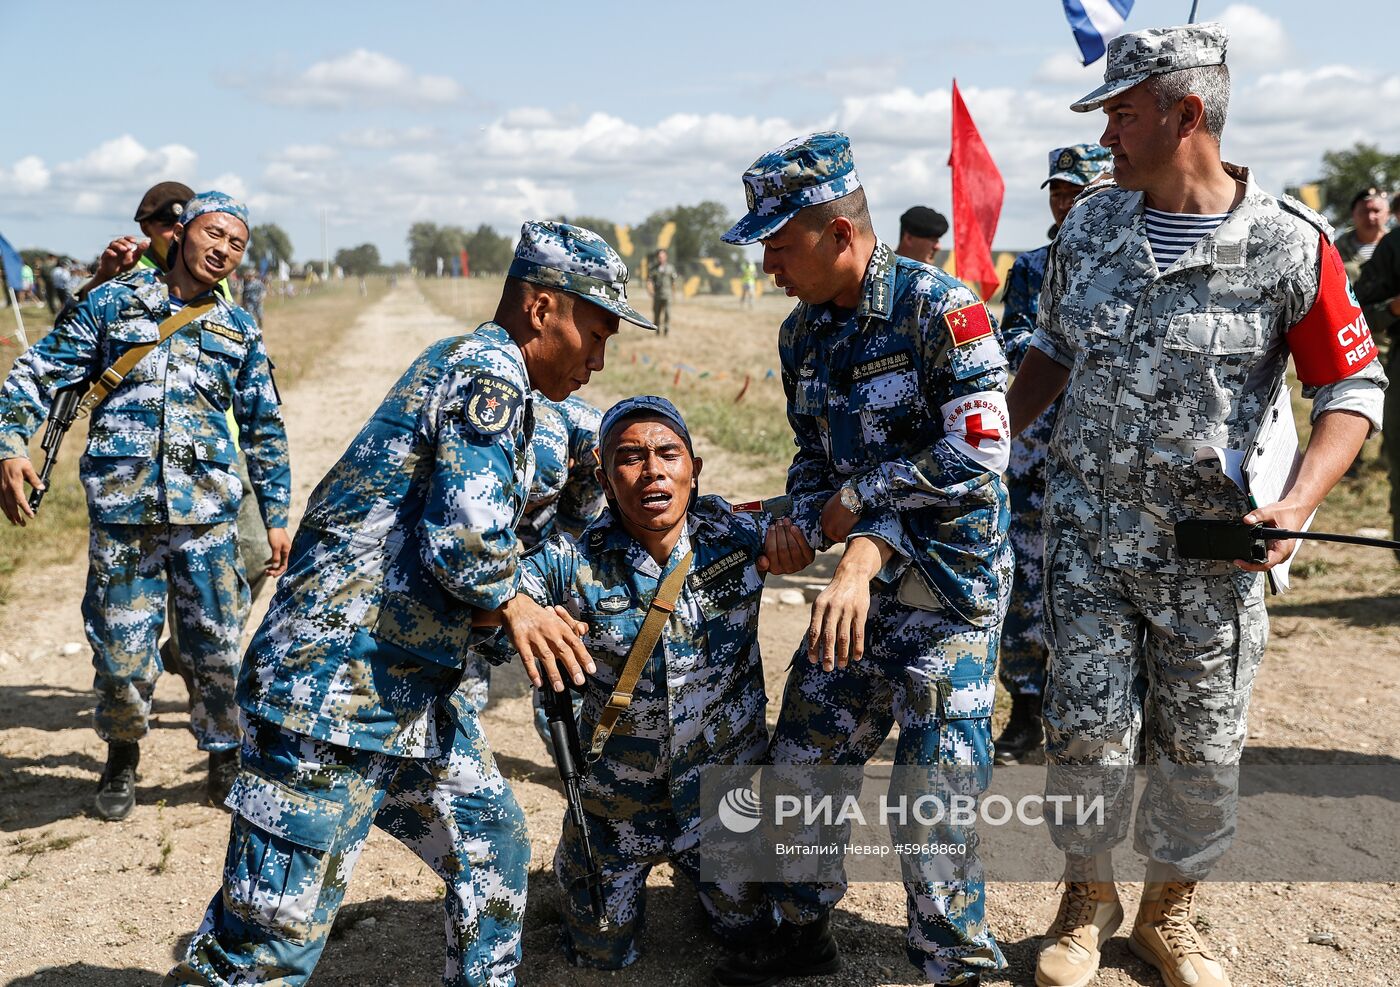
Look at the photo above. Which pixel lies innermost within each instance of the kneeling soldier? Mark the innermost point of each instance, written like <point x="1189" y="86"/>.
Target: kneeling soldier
<point x="700" y="698"/>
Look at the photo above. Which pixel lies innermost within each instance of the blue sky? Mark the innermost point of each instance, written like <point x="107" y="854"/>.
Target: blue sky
<point x="385" y="114"/>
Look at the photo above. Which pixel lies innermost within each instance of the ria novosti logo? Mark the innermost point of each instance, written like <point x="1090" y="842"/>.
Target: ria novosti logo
<point x="739" y="810"/>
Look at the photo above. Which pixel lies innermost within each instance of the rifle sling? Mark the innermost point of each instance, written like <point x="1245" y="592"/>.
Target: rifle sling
<point x="111" y="378"/>
<point x="663" y="604"/>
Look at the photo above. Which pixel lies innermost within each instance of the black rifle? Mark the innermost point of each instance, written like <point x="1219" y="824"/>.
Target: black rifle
<point x="61" y="417"/>
<point x="568" y="757"/>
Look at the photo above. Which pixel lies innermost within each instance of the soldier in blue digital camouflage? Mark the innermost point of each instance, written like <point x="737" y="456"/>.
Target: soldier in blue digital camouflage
<point x="700" y="699"/>
<point x="895" y="384"/>
<point x="161" y="477"/>
<point x="405" y="558"/>
<point x="564" y="496"/>
<point x="1174" y="297"/>
<point x="157" y="216"/>
<point x="1021" y="664"/>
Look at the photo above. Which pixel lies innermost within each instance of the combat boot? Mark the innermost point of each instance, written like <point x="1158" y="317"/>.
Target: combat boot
<point x="116" y="792"/>
<point x="791" y="951"/>
<point x="1089" y="915"/>
<point x="1164" y="935"/>
<point x="1024" y="733"/>
<point x="223" y="769"/>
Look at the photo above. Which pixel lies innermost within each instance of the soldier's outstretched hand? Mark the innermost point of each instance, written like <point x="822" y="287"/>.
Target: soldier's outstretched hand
<point x="550" y="642"/>
<point x="785" y="549"/>
<point x="14" y="474"/>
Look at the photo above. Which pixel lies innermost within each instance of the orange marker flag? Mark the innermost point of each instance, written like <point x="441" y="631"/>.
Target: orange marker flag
<point x="977" y="196"/>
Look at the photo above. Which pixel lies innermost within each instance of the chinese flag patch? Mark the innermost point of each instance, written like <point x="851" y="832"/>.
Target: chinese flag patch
<point x="1332" y="341"/>
<point x="968" y="324"/>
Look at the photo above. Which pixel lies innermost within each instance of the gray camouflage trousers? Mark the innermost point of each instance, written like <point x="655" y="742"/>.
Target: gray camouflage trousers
<point x="132" y="569"/>
<point x="1197" y="642"/>
<point x="302" y="810"/>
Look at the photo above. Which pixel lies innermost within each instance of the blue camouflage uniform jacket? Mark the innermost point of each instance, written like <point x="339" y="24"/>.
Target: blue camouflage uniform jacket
<point x="160" y="448"/>
<point x="701" y="698"/>
<point x="869" y="394"/>
<point x="1022" y="305"/>
<point x="364" y="640"/>
<point x="566" y="495"/>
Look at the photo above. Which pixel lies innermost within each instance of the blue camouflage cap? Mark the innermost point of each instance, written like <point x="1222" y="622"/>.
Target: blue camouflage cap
<point x="642" y="404"/>
<point x="207" y="202"/>
<point x="1079" y="164"/>
<point x="578" y="261"/>
<point x="803" y="172"/>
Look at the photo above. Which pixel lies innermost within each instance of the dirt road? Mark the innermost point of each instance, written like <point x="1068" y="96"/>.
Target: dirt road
<point x="83" y="903"/>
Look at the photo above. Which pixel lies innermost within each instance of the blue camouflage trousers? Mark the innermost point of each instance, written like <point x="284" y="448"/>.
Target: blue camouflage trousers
<point x="1195" y="642"/>
<point x="302" y="810"/>
<point x="644" y="834"/>
<point x="132" y="570"/>
<point x="1024" y="654"/>
<point x="932" y="673"/>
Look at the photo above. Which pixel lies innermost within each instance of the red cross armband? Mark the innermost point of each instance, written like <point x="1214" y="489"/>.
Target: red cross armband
<point x="979" y="427"/>
<point x="1332" y="341"/>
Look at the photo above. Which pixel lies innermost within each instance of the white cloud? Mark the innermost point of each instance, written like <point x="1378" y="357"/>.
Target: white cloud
<point x="1064" y="69"/>
<point x="29" y="175"/>
<point x="362" y="78"/>
<point x="1256" y="39"/>
<point x="307" y="153"/>
<point x="124" y="163"/>
<point x="378" y="138"/>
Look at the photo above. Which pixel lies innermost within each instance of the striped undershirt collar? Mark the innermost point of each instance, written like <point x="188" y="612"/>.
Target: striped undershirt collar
<point x="1171" y="234"/>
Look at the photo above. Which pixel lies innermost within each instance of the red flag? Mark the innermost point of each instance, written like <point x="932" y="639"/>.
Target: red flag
<point x="466" y="271"/>
<point x="977" y="196"/>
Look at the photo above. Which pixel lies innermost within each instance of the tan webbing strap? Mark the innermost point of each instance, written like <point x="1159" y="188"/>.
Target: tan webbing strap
<point x="663" y="604"/>
<point x="110" y="378"/>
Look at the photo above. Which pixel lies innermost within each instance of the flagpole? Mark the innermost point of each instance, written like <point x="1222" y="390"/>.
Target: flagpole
<point x="1192" y="18"/>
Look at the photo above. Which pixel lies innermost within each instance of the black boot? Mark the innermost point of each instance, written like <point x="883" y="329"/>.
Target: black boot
<point x="223" y="769"/>
<point x="792" y="951"/>
<point x="1024" y="734"/>
<point x="116" y="793"/>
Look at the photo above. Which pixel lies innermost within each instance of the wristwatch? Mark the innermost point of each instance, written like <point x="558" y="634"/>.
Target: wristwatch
<point x="850" y="500"/>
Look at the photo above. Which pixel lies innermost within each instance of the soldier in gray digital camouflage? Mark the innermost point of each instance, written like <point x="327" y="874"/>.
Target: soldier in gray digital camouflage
<point x="405" y="559"/>
<point x="700" y="699"/>
<point x="1021" y="663"/>
<point x="1171" y="304"/>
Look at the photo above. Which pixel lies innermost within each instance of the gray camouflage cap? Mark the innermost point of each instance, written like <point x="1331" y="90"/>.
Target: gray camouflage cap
<point x="1135" y="57"/>
<point x="578" y="261"/>
<point x="786" y="180"/>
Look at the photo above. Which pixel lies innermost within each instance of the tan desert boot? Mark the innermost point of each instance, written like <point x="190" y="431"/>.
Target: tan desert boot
<point x="1164" y="936"/>
<point x="1089" y="915"/>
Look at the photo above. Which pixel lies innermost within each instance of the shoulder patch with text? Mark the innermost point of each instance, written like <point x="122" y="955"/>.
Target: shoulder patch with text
<point x="491" y="405"/>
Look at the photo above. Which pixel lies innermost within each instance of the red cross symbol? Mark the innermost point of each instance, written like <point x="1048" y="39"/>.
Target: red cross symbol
<point x="976" y="433"/>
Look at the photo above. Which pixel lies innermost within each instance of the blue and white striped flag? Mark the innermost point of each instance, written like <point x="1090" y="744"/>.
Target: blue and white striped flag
<point x="1096" y="23"/>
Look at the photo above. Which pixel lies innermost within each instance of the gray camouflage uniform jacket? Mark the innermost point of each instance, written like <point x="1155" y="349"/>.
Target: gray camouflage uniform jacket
<point x="1162" y="365"/>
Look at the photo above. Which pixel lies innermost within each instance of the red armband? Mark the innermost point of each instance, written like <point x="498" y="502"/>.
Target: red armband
<point x="1332" y="341"/>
